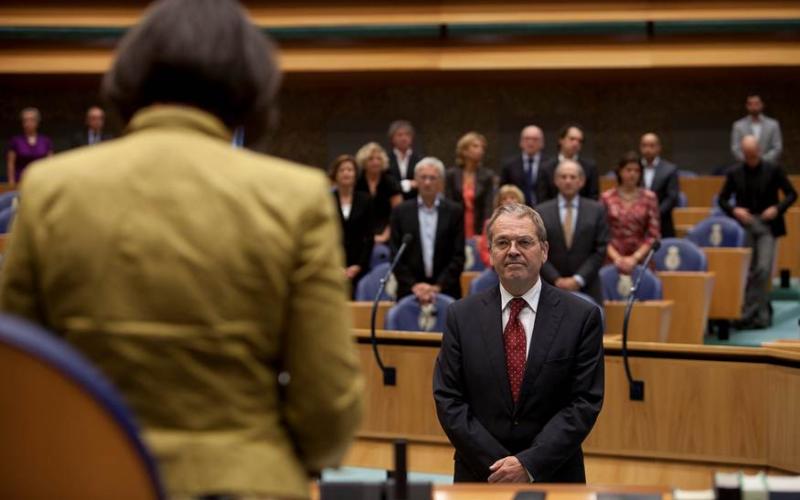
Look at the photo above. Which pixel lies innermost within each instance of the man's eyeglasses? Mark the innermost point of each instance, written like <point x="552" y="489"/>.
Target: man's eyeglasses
<point x="524" y="243"/>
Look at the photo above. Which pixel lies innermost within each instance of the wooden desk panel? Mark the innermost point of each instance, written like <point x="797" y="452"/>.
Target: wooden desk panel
<point x="789" y="245"/>
<point x="689" y="216"/>
<point x="730" y="267"/>
<point x="700" y="191"/>
<point x="703" y="404"/>
<point x="691" y="294"/>
<point x="650" y="320"/>
<point x="362" y="313"/>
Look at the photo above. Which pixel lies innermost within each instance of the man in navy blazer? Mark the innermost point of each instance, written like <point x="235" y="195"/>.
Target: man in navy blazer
<point x="660" y="177"/>
<point x="526" y="170"/>
<point x="518" y="382"/>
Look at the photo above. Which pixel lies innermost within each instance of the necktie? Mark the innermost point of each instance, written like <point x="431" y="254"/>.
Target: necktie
<point x="568" y="226"/>
<point x="514" y="340"/>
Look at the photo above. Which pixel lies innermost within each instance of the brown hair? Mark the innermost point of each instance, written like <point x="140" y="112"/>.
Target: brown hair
<point x="333" y="170"/>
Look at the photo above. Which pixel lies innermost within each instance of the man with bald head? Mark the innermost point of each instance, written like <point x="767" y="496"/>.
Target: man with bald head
<point x="525" y="170"/>
<point x="755" y="183"/>
<point x="660" y="177"/>
<point x="578" y="234"/>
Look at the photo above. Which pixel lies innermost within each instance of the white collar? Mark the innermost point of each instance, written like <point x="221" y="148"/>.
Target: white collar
<point x="421" y="203"/>
<point x="562" y="158"/>
<point x="531" y="296"/>
<point x="656" y="161"/>
<point x="400" y="154"/>
<point x="562" y="202"/>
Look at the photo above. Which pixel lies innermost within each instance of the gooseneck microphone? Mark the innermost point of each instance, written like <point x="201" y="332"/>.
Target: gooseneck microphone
<point x="635" y="387"/>
<point x="389" y="372"/>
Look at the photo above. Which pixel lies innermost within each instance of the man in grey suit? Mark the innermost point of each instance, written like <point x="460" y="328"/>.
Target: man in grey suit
<point x="578" y="234"/>
<point x="660" y="177"/>
<point x="767" y="130"/>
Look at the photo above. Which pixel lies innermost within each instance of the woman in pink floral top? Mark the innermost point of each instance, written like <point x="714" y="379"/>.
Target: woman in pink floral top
<point x="633" y="217"/>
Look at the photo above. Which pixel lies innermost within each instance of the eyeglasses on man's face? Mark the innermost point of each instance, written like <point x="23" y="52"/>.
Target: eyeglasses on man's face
<point x="523" y="243"/>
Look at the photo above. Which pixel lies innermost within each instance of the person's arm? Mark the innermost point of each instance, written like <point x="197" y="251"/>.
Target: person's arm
<point x="367" y="238"/>
<point x="789" y="193"/>
<point x="775" y="148"/>
<point x="475" y="445"/>
<point x="594" y="262"/>
<point x="323" y="400"/>
<point x="736" y="142"/>
<point x="723" y="199"/>
<point x="11" y="170"/>
<point x="19" y="290"/>
<point x="451" y="274"/>
<point x="561" y="437"/>
<point x="670" y="201"/>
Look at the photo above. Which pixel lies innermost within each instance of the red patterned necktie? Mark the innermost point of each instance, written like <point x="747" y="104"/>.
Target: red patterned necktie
<point x="514" y="340"/>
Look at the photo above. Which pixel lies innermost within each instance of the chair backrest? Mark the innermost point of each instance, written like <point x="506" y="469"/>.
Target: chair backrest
<point x="683" y="200"/>
<point x="408" y="315"/>
<point x="380" y="253"/>
<point x="6" y="216"/>
<point x="717" y="231"/>
<point x="368" y="285"/>
<point x="472" y="257"/>
<point x="687" y="173"/>
<point x="65" y="432"/>
<point x="7" y="199"/>
<point x="486" y="280"/>
<point x="617" y="286"/>
<point x="679" y="254"/>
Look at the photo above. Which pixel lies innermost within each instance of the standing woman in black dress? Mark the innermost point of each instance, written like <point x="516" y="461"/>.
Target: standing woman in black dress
<point x="383" y="189"/>
<point x="355" y="214"/>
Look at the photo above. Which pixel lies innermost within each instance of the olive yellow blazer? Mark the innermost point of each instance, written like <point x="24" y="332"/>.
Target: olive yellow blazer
<point x="194" y="274"/>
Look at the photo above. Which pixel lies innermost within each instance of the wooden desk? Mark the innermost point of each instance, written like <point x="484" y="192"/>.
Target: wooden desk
<point x="362" y="312"/>
<point x="705" y="407"/>
<point x="466" y="280"/>
<point x="650" y="320"/>
<point x="700" y="191"/>
<point x="730" y="267"/>
<point x="691" y="295"/>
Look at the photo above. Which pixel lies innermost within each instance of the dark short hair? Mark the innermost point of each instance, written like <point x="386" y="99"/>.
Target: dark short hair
<point x="563" y="131"/>
<point x="201" y="53"/>
<point x="398" y="125"/>
<point x="334" y="168"/>
<point x="629" y="157"/>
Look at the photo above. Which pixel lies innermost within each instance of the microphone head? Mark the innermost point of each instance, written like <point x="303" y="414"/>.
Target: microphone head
<point x="656" y="245"/>
<point x="408" y="238"/>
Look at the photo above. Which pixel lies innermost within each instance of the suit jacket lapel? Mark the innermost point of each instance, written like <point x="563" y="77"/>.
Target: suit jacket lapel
<point x="442" y="223"/>
<point x="545" y="329"/>
<point x="417" y="232"/>
<point x="492" y="333"/>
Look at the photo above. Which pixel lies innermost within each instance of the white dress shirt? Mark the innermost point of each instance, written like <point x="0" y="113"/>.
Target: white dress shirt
<point x="402" y="165"/>
<point x="528" y="314"/>
<point x="756" y="127"/>
<point x="428" y="220"/>
<point x="650" y="171"/>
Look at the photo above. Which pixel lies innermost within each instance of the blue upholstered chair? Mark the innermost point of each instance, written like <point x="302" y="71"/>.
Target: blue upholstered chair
<point x="687" y="173"/>
<point x="380" y="253"/>
<point x="7" y="199"/>
<point x="472" y="261"/>
<point x="6" y="216"/>
<point x="65" y="431"/>
<point x="683" y="200"/>
<point x="717" y="231"/>
<point x="617" y="286"/>
<point x="368" y="285"/>
<point x="679" y="254"/>
<point x="486" y="280"/>
<point x="408" y="315"/>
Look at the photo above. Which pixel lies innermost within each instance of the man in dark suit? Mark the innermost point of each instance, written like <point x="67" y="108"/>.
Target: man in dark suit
<point x="570" y="142"/>
<point x="523" y="170"/>
<point x="434" y="259"/>
<point x="660" y="177"/>
<point x="578" y="235"/>
<point x="94" y="132"/>
<point x="402" y="157"/>
<point x="756" y="183"/>
<point x="518" y="382"/>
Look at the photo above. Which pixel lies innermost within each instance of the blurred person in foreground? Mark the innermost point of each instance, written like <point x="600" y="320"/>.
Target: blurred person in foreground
<point x="213" y="298"/>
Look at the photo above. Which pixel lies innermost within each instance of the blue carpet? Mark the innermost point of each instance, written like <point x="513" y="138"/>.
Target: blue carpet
<point x="377" y="475"/>
<point x="784" y="326"/>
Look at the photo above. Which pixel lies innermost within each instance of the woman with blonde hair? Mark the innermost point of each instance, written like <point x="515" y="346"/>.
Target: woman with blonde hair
<point x="384" y="190"/>
<point x="471" y="184"/>
<point x="508" y="193"/>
